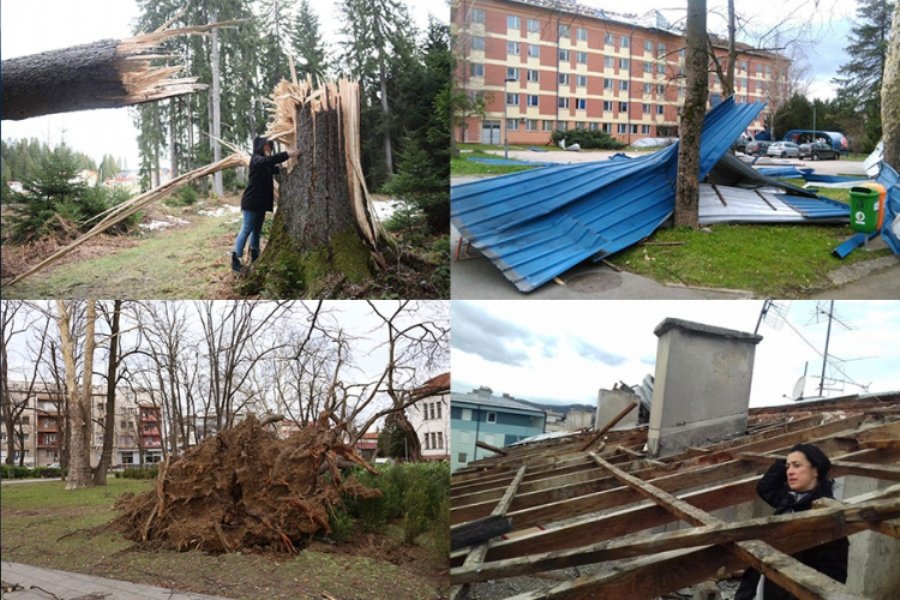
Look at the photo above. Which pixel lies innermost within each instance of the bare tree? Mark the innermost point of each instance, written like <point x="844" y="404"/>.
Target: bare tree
<point x="687" y="187"/>
<point x="113" y="363"/>
<point x="890" y="95"/>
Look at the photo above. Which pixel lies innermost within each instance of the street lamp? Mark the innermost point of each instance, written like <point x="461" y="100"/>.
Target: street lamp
<point x="505" y="121"/>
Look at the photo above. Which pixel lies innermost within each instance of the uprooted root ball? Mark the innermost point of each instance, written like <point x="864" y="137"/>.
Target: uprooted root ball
<point x="245" y="489"/>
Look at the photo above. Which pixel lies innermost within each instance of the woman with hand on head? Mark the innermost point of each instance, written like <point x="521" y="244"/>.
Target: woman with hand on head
<point x="790" y="486"/>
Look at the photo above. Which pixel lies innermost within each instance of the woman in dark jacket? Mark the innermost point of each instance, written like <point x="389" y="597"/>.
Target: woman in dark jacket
<point x="258" y="198"/>
<point x="792" y="485"/>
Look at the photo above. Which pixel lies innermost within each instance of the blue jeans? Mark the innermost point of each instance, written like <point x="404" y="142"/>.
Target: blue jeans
<point x="253" y="222"/>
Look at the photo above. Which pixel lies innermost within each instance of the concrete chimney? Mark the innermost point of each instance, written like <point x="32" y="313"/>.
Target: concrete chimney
<point x="702" y="390"/>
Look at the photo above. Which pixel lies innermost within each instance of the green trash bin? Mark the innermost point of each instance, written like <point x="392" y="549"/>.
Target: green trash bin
<point x="863" y="209"/>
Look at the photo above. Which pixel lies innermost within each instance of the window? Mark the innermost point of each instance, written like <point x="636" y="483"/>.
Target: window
<point x="595" y="126"/>
<point x="476" y="70"/>
<point x="608" y="62"/>
<point x="648" y="46"/>
<point x="531" y="125"/>
<point x="122" y="424"/>
<point x="661" y="49"/>
<point x="533" y="100"/>
<point x="547" y="125"/>
<point x="100" y="406"/>
<point x="26" y="420"/>
<point x="607" y="127"/>
<point x="512" y="124"/>
<point x="534" y="26"/>
<point x="491" y="417"/>
<point x="582" y="34"/>
<point x="433" y="440"/>
<point x="534" y="50"/>
<point x="440" y="440"/>
<point x="607" y="84"/>
<point x="466" y="414"/>
<point x="462" y="457"/>
<point x="511" y="100"/>
<point x="648" y="67"/>
<point x="623" y="41"/>
<point x="580" y="103"/>
<point x="581" y="80"/>
<point x="661" y="68"/>
<point x="623" y="63"/>
<point x="477" y="42"/>
<point x="533" y="74"/>
<point x="426" y="441"/>
<point x="563" y="103"/>
<point x="477" y="15"/>
<point x="581" y="58"/>
<point x="608" y="39"/>
<point x="660" y="109"/>
<point x="634" y="128"/>
<point x="622" y="128"/>
<point x="646" y="109"/>
<point x="431" y="409"/>
<point x="127" y="458"/>
<point x="563" y="31"/>
<point x="512" y="73"/>
<point x="623" y="107"/>
<point x="512" y="48"/>
<point x="512" y="22"/>
<point x="648" y="87"/>
<point x="623" y="85"/>
<point x="660" y="89"/>
<point x="607" y="105"/>
<point x="563" y="55"/>
<point x="563" y="79"/>
<point x="645" y="129"/>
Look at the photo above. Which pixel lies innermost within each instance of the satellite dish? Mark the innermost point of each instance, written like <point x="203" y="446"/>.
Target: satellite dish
<point x="797" y="394"/>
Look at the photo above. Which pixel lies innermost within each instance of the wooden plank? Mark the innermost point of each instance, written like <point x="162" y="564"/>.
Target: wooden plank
<point x="891" y="444"/>
<point x="490" y="448"/>
<point x="802" y="581"/>
<point x="840" y="468"/>
<point x="612" y="423"/>
<point x="775" y="527"/>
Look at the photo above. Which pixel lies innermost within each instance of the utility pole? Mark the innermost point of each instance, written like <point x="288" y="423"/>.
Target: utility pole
<point x="825" y="355"/>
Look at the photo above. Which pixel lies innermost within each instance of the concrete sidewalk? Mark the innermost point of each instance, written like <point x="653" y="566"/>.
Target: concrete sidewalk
<point x="76" y="586"/>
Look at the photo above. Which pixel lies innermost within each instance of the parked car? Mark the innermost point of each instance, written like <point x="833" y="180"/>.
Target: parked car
<point x="819" y="151"/>
<point x="757" y="148"/>
<point x="784" y="150"/>
<point x="741" y="144"/>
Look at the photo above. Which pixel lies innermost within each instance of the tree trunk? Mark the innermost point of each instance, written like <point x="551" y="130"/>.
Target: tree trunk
<point x="173" y="146"/>
<point x="215" y="117"/>
<point x="323" y="233"/>
<point x="386" y="114"/>
<point x="890" y="96"/>
<point x="687" y="187"/>
<point x="79" y="463"/>
<point x="103" y="74"/>
<point x="413" y="446"/>
<point x="109" y="425"/>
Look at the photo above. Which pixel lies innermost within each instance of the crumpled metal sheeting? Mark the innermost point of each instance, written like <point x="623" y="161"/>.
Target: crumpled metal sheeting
<point x="761" y="206"/>
<point x="890" y="232"/>
<point x="537" y="224"/>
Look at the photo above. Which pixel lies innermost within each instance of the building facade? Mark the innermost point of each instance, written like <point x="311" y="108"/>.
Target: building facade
<point x="430" y="417"/>
<point x="496" y="420"/>
<point x="541" y="65"/>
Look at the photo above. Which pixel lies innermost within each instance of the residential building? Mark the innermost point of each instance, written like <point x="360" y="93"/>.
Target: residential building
<point x="539" y="66"/>
<point x="430" y="417"/>
<point x="367" y="445"/>
<point x="495" y="420"/>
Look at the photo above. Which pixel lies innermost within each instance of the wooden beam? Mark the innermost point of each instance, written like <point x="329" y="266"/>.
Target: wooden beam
<point x="840" y="468"/>
<point x="892" y="444"/>
<point x="612" y="423"/>
<point x="872" y="512"/>
<point x="490" y="448"/>
<point x="797" y="578"/>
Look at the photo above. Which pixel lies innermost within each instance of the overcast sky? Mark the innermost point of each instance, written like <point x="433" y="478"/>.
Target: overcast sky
<point x="31" y="26"/>
<point x="564" y="351"/>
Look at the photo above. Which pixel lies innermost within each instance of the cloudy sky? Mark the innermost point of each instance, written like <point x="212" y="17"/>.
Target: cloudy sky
<point x="31" y="26"/>
<point x="564" y="351"/>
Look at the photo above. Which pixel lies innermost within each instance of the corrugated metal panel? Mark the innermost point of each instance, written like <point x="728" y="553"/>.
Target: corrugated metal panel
<point x="537" y="224"/>
<point x="820" y="208"/>
<point x="890" y="233"/>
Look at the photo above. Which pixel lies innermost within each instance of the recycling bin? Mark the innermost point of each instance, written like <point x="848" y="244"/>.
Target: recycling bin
<point x="864" y="209"/>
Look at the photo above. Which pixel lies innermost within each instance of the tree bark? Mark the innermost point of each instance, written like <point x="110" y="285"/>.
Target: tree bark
<point x="216" y="116"/>
<point x="890" y="96"/>
<point x="687" y="187"/>
<point x="79" y="463"/>
<point x="109" y="425"/>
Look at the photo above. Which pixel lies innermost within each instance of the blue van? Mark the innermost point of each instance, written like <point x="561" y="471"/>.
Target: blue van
<point x="835" y="139"/>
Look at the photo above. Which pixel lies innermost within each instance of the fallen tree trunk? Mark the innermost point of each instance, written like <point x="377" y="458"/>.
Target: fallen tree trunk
<point x="324" y="235"/>
<point x="104" y="74"/>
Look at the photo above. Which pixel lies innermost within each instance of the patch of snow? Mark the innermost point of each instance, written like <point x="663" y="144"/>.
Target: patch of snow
<point x="229" y="209"/>
<point x="163" y="224"/>
<point x="385" y="208"/>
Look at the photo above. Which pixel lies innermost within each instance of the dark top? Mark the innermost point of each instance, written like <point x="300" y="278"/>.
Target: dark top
<point x="830" y="558"/>
<point x="259" y="196"/>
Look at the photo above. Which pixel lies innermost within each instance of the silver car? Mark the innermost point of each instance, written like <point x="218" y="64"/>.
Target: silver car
<point x="784" y="150"/>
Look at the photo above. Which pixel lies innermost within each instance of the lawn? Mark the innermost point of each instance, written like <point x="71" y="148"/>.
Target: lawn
<point x="44" y="525"/>
<point x="464" y="166"/>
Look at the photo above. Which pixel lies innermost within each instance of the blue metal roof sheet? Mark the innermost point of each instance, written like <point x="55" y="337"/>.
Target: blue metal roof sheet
<point x="536" y="224"/>
<point x="890" y="231"/>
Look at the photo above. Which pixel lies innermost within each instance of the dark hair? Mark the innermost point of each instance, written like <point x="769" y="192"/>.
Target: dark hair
<point x="820" y="461"/>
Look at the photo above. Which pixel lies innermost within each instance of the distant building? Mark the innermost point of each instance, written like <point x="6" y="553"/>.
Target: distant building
<point x="495" y="420"/>
<point x="430" y="419"/>
<point x="367" y="445"/>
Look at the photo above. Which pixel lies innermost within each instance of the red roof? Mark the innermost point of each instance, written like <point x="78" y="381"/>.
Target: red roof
<point x="437" y="384"/>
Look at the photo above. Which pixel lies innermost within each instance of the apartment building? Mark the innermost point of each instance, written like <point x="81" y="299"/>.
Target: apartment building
<point x="430" y="418"/>
<point x="541" y="65"/>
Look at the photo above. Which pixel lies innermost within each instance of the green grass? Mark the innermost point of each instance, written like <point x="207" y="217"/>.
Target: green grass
<point x="45" y="525"/>
<point x="839" y="194"/>
<point x="464" y="166"/>
<point x="181" y="263"/>
<point x="783" y="261"/>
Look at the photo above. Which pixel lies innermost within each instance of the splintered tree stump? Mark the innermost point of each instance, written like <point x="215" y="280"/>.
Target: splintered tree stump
<point x="103" y="74"/>
<point x="323" y="234"/>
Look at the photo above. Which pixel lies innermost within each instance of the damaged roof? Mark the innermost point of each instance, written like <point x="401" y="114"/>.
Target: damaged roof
<point x="572" y="506"/>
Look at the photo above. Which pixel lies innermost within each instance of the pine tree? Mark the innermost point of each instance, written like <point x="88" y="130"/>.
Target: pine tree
<point x="860" y="78"/>
<point x="307" y="43"/>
